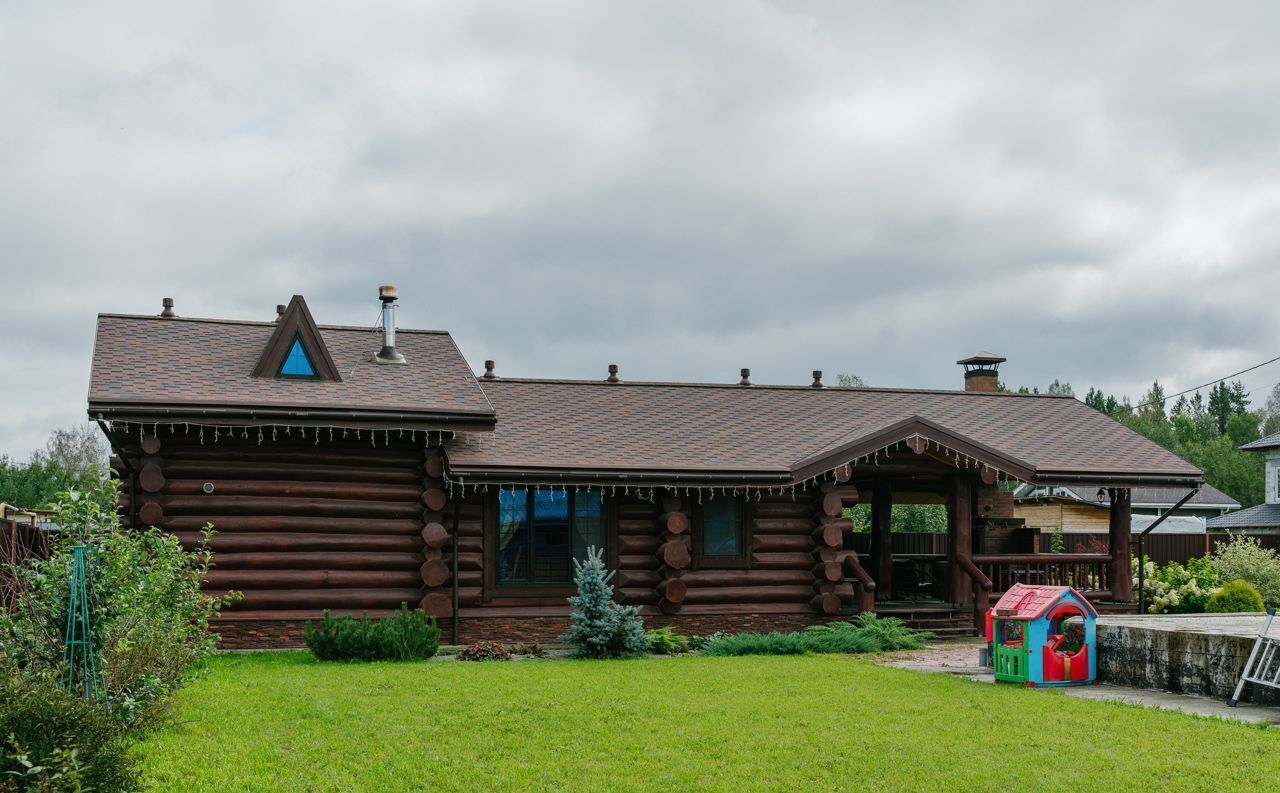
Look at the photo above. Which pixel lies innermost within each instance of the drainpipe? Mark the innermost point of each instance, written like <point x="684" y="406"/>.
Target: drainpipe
<point x="457" y="506"/>
<point x="1142" y="536"/>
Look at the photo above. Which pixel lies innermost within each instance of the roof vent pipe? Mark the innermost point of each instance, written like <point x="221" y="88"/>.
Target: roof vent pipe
<point x="817" y="379"/>
<point x="746" y="377"/>
<point x="167" y="313"/>
<point x="613" y="374"/>
<point x="388" y="294"/>
<point x="488" y="371"/>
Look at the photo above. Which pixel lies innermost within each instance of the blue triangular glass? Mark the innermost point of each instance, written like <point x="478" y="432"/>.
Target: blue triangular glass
<point x="297" y="363"/>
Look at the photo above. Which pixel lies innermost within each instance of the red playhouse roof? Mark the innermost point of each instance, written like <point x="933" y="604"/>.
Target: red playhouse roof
<point x="1031" y="602"/>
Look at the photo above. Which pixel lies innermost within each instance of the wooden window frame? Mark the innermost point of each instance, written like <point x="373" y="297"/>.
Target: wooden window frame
<point x="739" y="561"/>
<point x="495" y="589"/>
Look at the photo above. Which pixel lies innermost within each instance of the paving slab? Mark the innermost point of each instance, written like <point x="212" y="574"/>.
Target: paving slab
<point x="961" y="658"/>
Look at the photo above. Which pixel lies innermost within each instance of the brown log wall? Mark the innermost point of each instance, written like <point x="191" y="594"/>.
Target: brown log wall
<point x="301" y="527"/>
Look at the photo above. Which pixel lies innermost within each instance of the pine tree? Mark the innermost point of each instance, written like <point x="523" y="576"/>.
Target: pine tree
<point x="598" y="627"/>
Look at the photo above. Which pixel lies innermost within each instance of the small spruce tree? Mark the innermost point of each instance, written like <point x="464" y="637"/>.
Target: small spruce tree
<point x="598" y="627"/>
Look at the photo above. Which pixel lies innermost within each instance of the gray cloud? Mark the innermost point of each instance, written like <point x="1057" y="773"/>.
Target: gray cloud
<point x="683" y="189"/>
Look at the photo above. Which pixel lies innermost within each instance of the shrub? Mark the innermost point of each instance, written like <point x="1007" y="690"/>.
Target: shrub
<point x="866" y="633"/>
<point x="484" y="651"/>
<point x="1235" y="596"/>
<point x="698" y="643"/>
<point x="1174" y="589"/>
<point x="1243" y="558"/>
<point x="598" y="627"/>
<point x="665" y="641"/>
<point x="53" y="740"/>
<point x="529" y="649"/>
<point x="404" y="636"/>
<point x="150" y="618"/>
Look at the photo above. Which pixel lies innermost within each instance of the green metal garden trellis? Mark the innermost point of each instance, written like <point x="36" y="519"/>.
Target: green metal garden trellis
<point x="81" y="676"/>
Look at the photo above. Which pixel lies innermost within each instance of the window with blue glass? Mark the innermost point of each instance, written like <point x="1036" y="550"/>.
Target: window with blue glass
<point x="541" y="532"/>
<point x="721" y="531"/>
<point x="297" y="363"/>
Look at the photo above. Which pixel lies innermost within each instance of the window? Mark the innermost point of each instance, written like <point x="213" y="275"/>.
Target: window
<point x="297" y="363"/>
<point x="541" y="532"/>
<point x="721" y="539"/>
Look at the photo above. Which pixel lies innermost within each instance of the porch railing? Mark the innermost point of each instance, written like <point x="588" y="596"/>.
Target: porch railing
<point x="1086" y="572"/>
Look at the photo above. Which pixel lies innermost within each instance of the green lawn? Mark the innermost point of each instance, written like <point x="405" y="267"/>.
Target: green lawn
<point x="284" y="722"/>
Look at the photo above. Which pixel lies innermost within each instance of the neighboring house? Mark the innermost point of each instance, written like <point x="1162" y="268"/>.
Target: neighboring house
<point x="353" y="471"/>
<point x="1265" y="516"/>
<point x="1075" y="509"/>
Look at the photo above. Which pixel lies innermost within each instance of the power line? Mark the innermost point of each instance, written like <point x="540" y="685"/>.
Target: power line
<point x="1210" y="383"/>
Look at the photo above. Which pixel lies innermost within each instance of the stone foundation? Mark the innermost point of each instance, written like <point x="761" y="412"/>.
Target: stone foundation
<point x="1184" y="653"/>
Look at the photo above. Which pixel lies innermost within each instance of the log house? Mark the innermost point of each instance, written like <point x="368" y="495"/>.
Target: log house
<point x="351" y="470"/>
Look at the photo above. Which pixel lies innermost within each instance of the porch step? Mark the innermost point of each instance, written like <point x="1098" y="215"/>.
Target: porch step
<point x="943" y="620"/>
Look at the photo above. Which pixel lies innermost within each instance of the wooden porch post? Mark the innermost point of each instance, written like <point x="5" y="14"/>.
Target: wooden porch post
<point x="961" y="526"/>
<point x="1119" y="574"/>
<point x="882" y="537"/>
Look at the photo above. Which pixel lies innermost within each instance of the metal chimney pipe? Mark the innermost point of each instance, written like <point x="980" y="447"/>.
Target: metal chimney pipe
<point x="388" y="295"/>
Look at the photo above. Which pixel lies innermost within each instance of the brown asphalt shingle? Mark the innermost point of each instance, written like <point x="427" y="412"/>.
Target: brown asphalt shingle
<point x="210" y="362"/>
<point x="656" y="426"/>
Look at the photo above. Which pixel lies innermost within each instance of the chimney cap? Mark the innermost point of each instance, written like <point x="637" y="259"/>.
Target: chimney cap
<point x="817" y="379"/>
<point x="613" y="374"/>
<point x="983" y="360"/>
<point x="746" y="377"/>
<point x="488" y="370"/>
<point x="388" y="293"/>
<point x="168" y="312"/>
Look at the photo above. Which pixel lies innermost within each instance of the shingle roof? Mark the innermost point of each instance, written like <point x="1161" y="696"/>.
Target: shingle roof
<point x="1206" y="496"/>
<point x="1261" y="516"/>
<point x="187" y="363"/>
<point x="589" y="425"/>
<point x="1269" y="442"/>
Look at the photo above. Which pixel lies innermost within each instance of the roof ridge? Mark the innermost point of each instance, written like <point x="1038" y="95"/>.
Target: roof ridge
<point x="764" y="386"/>
<point x="263" y="323"/>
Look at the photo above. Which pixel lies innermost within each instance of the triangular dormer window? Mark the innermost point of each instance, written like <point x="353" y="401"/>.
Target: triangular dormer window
<point x="297" y="363"/>
<point x="296" y="350"/>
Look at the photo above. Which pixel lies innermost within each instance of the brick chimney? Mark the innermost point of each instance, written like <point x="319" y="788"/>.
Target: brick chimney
<point x="981" y="372"/>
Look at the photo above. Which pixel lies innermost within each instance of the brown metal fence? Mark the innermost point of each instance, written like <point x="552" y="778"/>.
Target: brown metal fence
<point x="21" y="538"/>
<point x="1160" y="548"/>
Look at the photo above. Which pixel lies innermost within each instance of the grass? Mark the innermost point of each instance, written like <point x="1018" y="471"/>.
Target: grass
<point x="280" y="721"/>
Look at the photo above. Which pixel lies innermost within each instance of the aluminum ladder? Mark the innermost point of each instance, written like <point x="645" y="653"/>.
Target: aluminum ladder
<point x="1263" y="666"/>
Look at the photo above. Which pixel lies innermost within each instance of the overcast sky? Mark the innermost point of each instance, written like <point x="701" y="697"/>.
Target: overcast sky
<point x="682" y="188"/>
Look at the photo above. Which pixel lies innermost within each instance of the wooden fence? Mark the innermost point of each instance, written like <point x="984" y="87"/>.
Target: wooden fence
<point x="1160" y="548"/>
<point x="20" y="540"/>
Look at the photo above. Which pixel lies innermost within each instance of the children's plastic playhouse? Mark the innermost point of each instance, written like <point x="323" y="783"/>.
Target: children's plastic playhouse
<point x="1043" y="636"/>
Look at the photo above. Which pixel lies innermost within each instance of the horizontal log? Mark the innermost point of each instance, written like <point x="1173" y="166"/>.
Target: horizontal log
<point x="327" y="598"/>
<point x="843" y="524"/>
<point x="244" y="542"/>
<point x="638" y="544"/>
<point x="365" y="456"/>
<point x="668" y="607"/>
<point x="433" y="467"/>
<point x="265" y="505"/>
<point x="434" y="535"/>
<point x="673" y="590"/>
<point x="828" y="571"/>
<point x="826" y="553"/>
<point x="151" y="444"/>
<point x="311" y="560"/>
<point x="470" y="561"/>
<point x="295" y="523"/>
<point x="750" y="594"/>
<point x="674" y="522"/>
<point x="800" y="560"/>
<point x="437" y="604"/>
<point x="634" y="510"/>
<point x="825" y="603"/>
<point x="435" y="498"/>
<point x="363" y="491"/>
<point x="151" y="478"/>
<point x="674" y="553"/>
<point x="279" y="471"/>
<point x="781" y="542"/>
<point x="756" y="577"/>
<point x="635" y="596"/>
<point x="434" y="573"/>
<point x="783" y="509"/>
<point x="641" y="526"/>
<point x="832" y="504"/>
<point x="828" y="534"/>
<point x="636" y="578"/>
<point x="311" y="579"/>
<point x="788" y="525"/>
<point x="637" y="562"/>
<point x="151" y="514"/>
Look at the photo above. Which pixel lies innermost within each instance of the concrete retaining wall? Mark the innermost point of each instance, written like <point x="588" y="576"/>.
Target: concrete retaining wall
<point x="1193" y="654"/>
